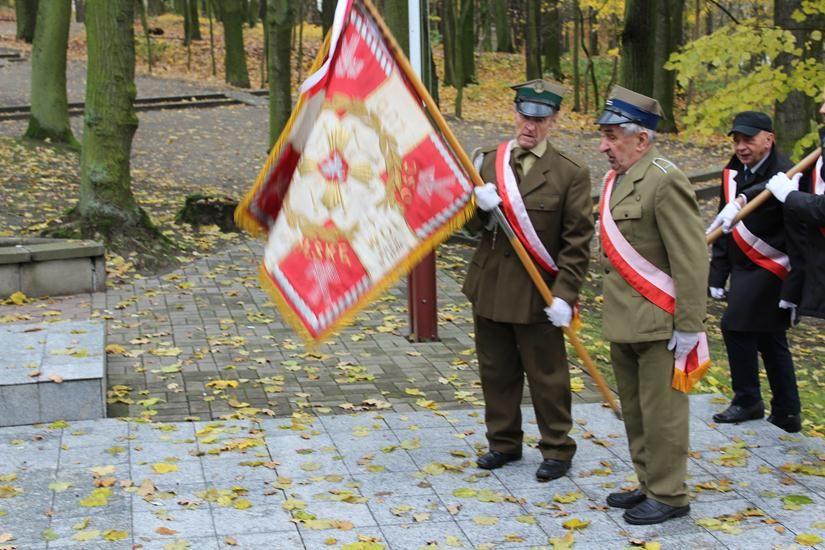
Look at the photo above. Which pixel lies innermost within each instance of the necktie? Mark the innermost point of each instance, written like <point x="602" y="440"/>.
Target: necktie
<point x="748" y="176"/>
<point x="520" y="155"/>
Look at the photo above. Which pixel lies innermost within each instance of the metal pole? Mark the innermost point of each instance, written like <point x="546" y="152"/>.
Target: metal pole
<point x="422" y="293"/>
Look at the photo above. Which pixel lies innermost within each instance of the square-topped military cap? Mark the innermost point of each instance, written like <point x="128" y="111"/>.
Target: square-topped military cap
<point x="625" y="106"/>
<point x="538" y="98"/>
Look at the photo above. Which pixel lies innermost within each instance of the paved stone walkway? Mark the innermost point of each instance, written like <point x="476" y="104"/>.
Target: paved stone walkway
<point x="173" y="338"/>
<point x="400" y="480"/>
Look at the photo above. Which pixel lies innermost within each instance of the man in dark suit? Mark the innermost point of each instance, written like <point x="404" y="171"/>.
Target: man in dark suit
<point x="547" y="199"/>
<point x="804" y="198"/>
<point x="753" y="254"/>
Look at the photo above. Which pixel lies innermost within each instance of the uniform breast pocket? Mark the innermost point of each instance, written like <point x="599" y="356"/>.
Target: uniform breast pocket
<point x="626" y="217"/>
<point x="542" y="211"/>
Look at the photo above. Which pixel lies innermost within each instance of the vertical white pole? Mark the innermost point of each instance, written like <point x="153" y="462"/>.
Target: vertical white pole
<point x="414" y="14"/>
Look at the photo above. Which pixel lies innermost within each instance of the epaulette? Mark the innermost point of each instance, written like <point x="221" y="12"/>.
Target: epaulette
<point x="573" y="160"/>
<point x="661" y="167"/>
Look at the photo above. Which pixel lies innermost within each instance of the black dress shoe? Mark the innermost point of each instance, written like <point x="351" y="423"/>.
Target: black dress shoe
<point x="496" y="459"/>
<point x="735" y="414"/>
<point x="551" y="468"/>
<point x="791" y="423"/>
<point x="626" y="499"/>
<point x="651" y="511"/>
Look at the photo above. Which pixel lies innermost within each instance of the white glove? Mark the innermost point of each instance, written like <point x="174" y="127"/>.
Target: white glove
<point x="784" y="304"/>
<point x="682" y="343"/>
<point x="780" y="185"/>
<point x="725" y="217"/>
<point x="716" y="293"/>
<point x="487" y="197"/>
<point x="559" y="312"/>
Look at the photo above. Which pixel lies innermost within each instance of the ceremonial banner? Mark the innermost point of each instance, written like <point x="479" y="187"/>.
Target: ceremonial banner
<point x="358" y="187"/>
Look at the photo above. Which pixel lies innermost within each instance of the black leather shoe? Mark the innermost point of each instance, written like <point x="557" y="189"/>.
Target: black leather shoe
<point x="735" y="414"/>
<point x="791" y="423"/>
<point x="626" y="499"/>
<point x="551" y="468"/>
<point x="496" y="459"/>
<point x="651" y="511"/>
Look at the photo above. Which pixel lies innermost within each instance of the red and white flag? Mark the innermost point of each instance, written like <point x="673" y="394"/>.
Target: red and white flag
<point x="358" y="188"/>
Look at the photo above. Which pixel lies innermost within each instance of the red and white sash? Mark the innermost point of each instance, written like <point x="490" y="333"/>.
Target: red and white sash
<point x="515" y="211"/>
<point x="759" y="252"/>
<point x="652" y="283"/>
<point x="818" y="184"/>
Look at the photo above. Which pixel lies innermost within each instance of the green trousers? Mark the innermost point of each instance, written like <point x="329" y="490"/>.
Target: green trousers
<point x="656" y="418"/>
<point x="508" y="351"/>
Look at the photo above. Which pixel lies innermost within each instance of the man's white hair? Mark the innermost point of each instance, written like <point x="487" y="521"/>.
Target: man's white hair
<point x="632" y="128"/>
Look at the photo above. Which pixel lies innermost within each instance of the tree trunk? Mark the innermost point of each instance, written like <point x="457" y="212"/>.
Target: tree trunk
<point x="794" y="115"/>
<point x="80" y="10"/>
<point x="448" y="25"/>
<point x="49" y="106"/>
<point x="504" y="38"/>
<point x="397" y="18"/>
<point x="593" y="33"/>
<point x="25" y="12"/>
<point x="327" y="15"/>
<point x="194" y="20"/>
<point x="486" y="25"/>
<point x="210" y="7"/>
<point x="638" y="41"/>
<point x="577" y="31"/>
<point x="232" y="16"/>
<point x="106" y="201"/>
<point x="458" y="63"/>
<point x="467" y="41"/>
<point x="532" y="49"/>
<point x="252" y="13"/>
<point x="279" y="17"/>
<point x="668" y="40"/>
<point x="551" y="24"/>
<point x="144" y="22"/>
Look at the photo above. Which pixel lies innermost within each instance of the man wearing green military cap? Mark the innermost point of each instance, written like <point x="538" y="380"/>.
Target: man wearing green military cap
<point x="654" y="258"/>
<point x="545" y="195"/>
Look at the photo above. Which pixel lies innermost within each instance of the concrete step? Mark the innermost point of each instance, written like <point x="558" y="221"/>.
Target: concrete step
<point x="52" y="371"/>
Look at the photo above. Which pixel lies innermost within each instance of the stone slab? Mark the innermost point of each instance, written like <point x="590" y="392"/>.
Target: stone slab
<point x="64" y="250"/>
<point x="52" y="371"/>
<point x="14" y="255"/>
<point x="57" y="277"/>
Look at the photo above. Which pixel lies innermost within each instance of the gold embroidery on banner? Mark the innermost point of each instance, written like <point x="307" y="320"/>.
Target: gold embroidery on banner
<point x="386" y="144"/>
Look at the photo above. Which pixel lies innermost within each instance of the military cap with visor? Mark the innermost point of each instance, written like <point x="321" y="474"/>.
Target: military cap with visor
<point x="626" y="106"/>
<point x="751" y="123"/>
<point x="538" y="98"/>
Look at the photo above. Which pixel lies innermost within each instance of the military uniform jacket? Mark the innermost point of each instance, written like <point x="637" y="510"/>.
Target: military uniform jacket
<point x="556" y="194"/>
<point x="655" y="209"/>
<point x="755" y="292"/>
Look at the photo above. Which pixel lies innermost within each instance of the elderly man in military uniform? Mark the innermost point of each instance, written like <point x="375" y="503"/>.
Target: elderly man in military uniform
<point x="545" y="195"/>
<point x="655" y="259"/>
<point x="762" y="291"/>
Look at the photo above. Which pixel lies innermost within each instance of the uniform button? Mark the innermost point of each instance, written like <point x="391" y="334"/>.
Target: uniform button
<point x="541" y="205"/>
<point x="638" y="197"/>
<point x="606" y="271"/>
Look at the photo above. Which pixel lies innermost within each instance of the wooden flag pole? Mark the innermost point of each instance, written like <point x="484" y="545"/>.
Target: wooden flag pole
<point x="468" y="166"/>
<point x="757" y="201"/>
